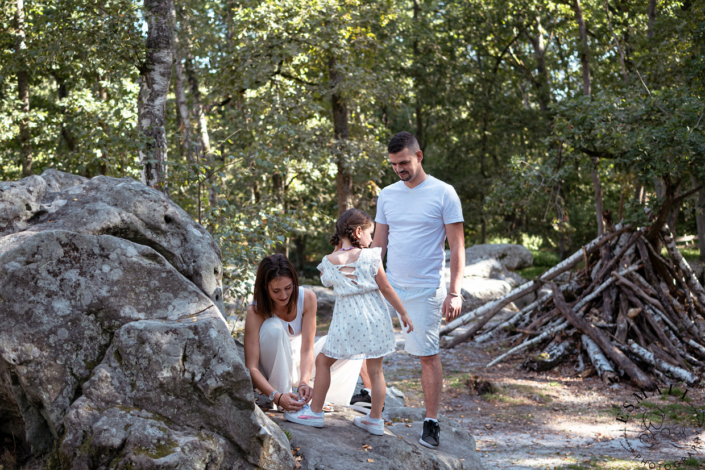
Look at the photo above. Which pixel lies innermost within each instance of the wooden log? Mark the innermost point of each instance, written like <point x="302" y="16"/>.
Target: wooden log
<point x="663" y="355"/>
<point x="665" y="323"/>
<point x="602" y="365"/>
<point x="554" y="354"/>
<point x="506" y="325"/>
<point x="622" y="324"/>
<point x="665" y="340"/>
<point x="554" y="329"/>
<point x="698" y="348"/>
<point x="490" y="308"/>
<point x="613" y="262"/>
<point x="548" y="333"/>
<point x="678" y="260"/>
<point x="673" y="371"/>
<point x="636" y="374"/>
<point x="638" y="291"/>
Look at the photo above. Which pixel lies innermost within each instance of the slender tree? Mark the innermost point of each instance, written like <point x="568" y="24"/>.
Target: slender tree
<point x="155" y="78"/>
<point x="341" y="131"/>
<point x="23" y="89"/>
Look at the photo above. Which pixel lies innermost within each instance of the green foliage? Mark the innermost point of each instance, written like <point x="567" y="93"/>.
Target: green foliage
<point x="492" y="89"/>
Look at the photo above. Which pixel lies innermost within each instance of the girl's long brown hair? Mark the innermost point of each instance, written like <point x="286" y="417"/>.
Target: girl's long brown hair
<point x="346" y="224"/>
<point x="269" y="269"/>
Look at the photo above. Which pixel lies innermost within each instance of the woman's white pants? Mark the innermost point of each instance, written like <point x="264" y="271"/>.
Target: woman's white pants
<point x="280" y="363"/>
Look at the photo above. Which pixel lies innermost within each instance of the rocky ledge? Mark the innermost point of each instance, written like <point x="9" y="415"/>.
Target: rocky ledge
<point x="342" y="445"/>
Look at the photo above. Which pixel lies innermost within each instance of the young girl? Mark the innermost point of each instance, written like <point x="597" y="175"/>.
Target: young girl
<point x="361" y="327"/>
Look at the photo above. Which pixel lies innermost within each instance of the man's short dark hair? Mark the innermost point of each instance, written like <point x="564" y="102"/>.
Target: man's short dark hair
<point x="401" y="141"/>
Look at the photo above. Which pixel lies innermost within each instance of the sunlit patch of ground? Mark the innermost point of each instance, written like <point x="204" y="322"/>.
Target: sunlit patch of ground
<point x="534" y="420"/>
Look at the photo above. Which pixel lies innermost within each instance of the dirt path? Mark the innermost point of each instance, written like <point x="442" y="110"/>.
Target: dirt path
<point x="555" y="420"/>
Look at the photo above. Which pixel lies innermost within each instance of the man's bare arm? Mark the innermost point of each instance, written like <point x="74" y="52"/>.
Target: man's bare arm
<point x="382" y="238"/>
<point x="456" y="241"/>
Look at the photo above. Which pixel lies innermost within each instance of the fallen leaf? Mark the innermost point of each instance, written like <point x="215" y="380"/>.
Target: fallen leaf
<point x="370" y="460"/>
<point x="408" y="425"/>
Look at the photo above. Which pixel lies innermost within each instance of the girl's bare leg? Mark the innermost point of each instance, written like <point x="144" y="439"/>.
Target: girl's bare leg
<point x="322" y="382"/>
<point x="379" y="387"/>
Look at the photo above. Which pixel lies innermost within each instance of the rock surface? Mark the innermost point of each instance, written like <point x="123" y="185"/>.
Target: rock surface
<point x="325" y="299"/>
<point x="477" y="291"/>
<point x="111" y="345"/>
<point x="512" y="257"/>
<point x="339" y="444"/>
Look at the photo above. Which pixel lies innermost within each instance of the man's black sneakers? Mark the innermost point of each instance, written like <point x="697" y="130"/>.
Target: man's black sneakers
<point x="431" y="434"/>
<point x="362" y="399"/>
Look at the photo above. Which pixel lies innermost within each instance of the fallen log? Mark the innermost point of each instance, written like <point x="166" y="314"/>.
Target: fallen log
<point x="553" y="355"/>
<point x="672" y="371"/>
<point x="602" y="365"/>
<point x="636" y="374"/>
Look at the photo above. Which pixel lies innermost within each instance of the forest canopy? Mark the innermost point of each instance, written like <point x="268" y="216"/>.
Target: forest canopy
<point x="265" y="119"/>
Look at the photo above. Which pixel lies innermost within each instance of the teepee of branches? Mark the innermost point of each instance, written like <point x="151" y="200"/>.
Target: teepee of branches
<point x="632" y="311"/>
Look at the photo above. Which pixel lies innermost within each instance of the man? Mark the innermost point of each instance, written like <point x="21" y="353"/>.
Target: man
<point x="414" y="218"/>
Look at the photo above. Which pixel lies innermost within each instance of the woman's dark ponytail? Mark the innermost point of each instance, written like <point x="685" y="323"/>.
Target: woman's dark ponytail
<point x="334" y="239"/>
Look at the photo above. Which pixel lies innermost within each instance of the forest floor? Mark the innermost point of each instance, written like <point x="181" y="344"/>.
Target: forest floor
<point x="554" y="419"/>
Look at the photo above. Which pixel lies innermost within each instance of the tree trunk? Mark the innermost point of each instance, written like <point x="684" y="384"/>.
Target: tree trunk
<point x="543" y="93"/>
<point x="700" y="218"/>
<point x="585" y="65"/>
<point x="155" y="77"/>
<point x="181" y="103"/>
<point x="652" y="19"/>
<point x="598" y="196"/>
<point x="63" y="93"/>
<point x="672" y="219"/>
<point x="417" y="82"/>
<point x="23" y="91"/>
<point x="344" y="180"/>
<point x="583" y="50"/>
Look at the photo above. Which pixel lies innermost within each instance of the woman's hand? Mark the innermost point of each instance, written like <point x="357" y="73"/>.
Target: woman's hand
<point x="289" y="402"/>
<point x="305" y="392"/>
<point x="407" y="322"/>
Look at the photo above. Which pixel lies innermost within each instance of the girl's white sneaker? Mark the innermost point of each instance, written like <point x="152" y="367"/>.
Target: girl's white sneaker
<point x="305" y="416"/>
<point x="373" y="426"/>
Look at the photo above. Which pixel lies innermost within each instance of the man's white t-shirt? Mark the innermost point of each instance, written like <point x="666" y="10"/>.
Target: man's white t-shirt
<point x="417" y="218"/>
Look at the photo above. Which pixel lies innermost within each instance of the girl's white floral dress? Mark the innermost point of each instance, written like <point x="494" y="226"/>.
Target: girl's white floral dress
<point x="361" y="327"/>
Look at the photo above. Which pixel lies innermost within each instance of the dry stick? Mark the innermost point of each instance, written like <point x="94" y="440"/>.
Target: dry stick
<point x="636" y="277"/>
<point x="677" y="258"/>
<point x="662" y="336"/>
<point x="622" y="325"/>
<point x="696" y="347"/>
<point x="609" y="266"/>
<point x="636" y="374"/>
<point x="602" y="365"/>
<point x="551" y="330"/>
<point x="663" y="366"/>
<point x="665" y="263"/>
<point x="637" y="290"/>
<point x="655" y="283"/>
<point x="490" y="308"/>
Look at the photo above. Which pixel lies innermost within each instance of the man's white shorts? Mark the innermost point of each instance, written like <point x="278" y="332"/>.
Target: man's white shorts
<point x="425" y="308"/>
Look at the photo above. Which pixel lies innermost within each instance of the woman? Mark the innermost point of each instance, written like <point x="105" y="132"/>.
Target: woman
<point x="280" y="329"/>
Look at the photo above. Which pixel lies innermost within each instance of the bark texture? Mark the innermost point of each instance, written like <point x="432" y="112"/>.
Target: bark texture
<point x="344" y="180"/>
<point x="154" y="86"/>
<point x="23" y="90"/>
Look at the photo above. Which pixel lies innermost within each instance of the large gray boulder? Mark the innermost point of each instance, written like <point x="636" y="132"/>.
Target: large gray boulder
<point x="122" y="207"/>
<point x="477" y="291"/>
<point x="112" y="350"/>
<point x="512" y="257"/>
<point x="339" y="444"/>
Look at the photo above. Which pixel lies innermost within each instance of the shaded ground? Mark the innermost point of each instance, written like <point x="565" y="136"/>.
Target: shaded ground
<point x="555" y="420"/>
